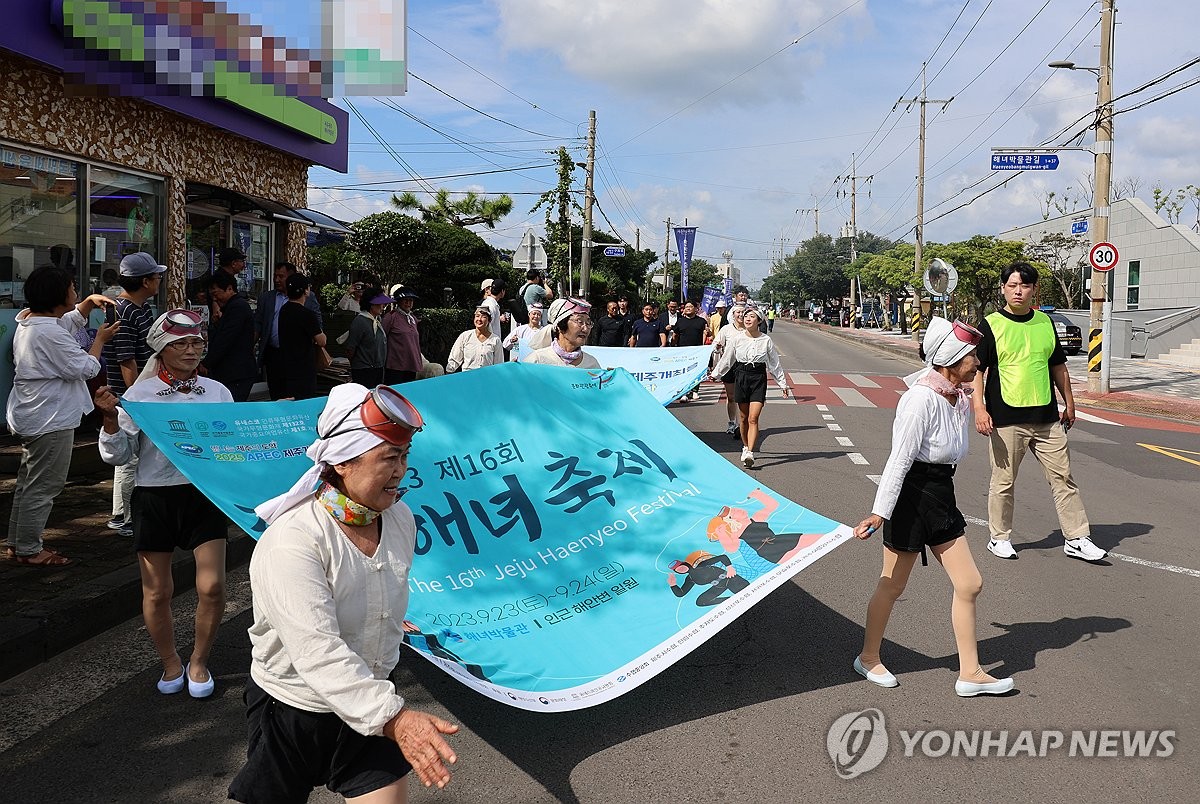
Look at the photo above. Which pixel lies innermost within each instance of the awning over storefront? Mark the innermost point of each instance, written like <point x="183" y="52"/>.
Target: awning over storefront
<point x="238" y="203"/>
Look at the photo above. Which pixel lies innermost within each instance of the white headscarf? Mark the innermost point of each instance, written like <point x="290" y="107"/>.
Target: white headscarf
<point x="158" y="338"/>
<point x="352" y="440"/>
<point x="942" y="348"/>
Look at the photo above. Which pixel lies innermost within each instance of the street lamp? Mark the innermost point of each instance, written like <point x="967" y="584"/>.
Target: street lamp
<point x="1070" y="65"/>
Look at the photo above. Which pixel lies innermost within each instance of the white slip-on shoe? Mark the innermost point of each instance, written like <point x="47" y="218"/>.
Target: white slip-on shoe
<point x="171" y="686"/>
<point x="969" y="689"/>
<point x="1084" y="548"/>
<point x="1001" y="548"/>
<point x="198" y="689"/>
<point x="884" y="679"/>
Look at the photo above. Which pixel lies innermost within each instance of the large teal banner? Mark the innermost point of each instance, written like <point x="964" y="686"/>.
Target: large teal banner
<point x="667" y="373"/>
<point x="574" y="539"/>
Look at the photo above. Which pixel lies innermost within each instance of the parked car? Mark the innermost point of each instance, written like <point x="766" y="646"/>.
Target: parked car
<point x="1069" y="334"/>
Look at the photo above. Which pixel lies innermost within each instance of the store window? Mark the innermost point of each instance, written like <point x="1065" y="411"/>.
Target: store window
<point x="1134" y="291"/>
<point x="39" y="217"/>
<point x="254" y="239"/>
<point x="206" y="236"/>
<point x="127" y="214"/>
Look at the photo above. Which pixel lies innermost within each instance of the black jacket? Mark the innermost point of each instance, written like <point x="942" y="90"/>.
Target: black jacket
<point x="231" y="344"/>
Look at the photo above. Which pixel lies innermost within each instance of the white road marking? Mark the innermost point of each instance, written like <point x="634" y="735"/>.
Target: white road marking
<point x="857" y="458"/>
<point x="852" y="398"/>
<point x="802" y="378"/>
<point x="1156" y="565"/>
<point x="822" y="408"/>
<point x="827" y="417"/>
<point x="1088" y="417"/>
<point x="845" y="442"/>
<point x="837" y="428"/>
<point x="875" y="478"/>
<point x="975" y="520"/>
<point x="860" y="381"/>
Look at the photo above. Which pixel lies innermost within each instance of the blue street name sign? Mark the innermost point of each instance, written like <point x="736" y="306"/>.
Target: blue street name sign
<point x="1079" y="227"/>
<point x="614" y="251"/>
<point x="1024" y="161"/>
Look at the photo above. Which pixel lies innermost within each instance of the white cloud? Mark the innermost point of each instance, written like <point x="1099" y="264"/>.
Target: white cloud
<point x="676" y="47"/>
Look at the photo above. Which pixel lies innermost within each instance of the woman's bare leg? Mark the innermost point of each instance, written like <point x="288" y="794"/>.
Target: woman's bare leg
<point x="897" y="566"/>
<point x="955" y="558"/>
<point x="210" y="603"/>
<point x="752" y="414"/>
<point x="157" y="590"/>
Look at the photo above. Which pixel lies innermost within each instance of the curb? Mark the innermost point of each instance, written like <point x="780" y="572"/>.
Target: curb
<point x="84" y="611"/>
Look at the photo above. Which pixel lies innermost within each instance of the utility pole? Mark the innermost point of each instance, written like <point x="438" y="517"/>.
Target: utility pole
<point x="585" y="258"/>
<point x="1098" y="351"/>
<point x="853" y="179"/>
<point x="637" y="239"/>
<point x="920" y="230"/>
<point x="816" y="219"/>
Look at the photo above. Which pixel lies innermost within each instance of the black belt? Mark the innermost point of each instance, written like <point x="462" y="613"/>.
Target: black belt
<point x="932" y="470"/>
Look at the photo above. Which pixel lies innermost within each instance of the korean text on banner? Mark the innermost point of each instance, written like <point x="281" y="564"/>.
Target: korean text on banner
<point x="560" y="561"/>
<point x="685" y="238"/>
<point x="666" y="373"/>
<point x="708" y="303"/>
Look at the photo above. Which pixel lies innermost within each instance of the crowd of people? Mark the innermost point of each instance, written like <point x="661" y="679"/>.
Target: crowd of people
<point x="321" y="708"/>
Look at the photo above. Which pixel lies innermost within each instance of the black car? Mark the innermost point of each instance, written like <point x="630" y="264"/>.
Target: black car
<point x="1069" y="335"/>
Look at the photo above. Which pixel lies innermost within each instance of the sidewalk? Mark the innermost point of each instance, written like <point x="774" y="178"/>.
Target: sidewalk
<point x="1146" y="387"/>
<point x="46" y="611"/>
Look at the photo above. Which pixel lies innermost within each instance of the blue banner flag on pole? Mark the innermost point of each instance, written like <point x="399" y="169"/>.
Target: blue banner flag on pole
<point x="561" y="560"/>
<point x="685" y="238"/>
<point x="708" y="303"/>
<point x="729" y="290"/>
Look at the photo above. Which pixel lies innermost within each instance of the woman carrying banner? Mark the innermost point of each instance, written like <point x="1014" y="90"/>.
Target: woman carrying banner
<point x="476" y="347"/>
<point x="750" y="356"/>
<point x="168" y="511"/>
<point x="731" y="329"/>
<point x="563" y="341"/>
<point x="915" y="505"/>
<point x="329" y="578"/>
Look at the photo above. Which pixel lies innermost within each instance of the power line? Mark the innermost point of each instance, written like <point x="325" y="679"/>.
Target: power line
<point x="363" y="184"/>
<point x="391" y="151"/>
<point x="480" y="111"/>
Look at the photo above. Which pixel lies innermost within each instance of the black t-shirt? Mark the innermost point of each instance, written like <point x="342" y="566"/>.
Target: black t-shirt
<point x="297" y="328"/>
<point x="1002" y="414"/>
<point x="609" y="331"/>
<point x="646" y="332"/>
<point x="690" y="331"/>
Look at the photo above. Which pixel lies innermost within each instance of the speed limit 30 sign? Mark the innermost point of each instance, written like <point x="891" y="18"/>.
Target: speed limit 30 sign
<point x="1103" y="256"/>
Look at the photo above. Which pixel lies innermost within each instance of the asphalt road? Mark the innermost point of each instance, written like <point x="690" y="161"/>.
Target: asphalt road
<point x="746" y="716"/>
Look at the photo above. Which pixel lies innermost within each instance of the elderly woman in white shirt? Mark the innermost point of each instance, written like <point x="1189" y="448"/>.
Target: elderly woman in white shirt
<point x="561" y="343"/>
<point x="49" y="396"/>
<point x="476" y="348"/>
<point x="750" y="355"/>
<point x="915" y="505"/>
<point x="330" y="583"/>
<point x="525" y="332"/>
<point x="720" y="343"/>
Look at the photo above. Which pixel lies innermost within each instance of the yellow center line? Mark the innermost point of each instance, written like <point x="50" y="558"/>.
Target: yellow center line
<point x="1176" y="454"/>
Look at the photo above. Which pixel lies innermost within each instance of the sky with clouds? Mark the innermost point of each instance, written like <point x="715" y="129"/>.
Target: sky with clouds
<point x="738" y="115"/>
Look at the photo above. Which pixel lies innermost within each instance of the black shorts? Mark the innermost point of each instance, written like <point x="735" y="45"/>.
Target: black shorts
<point x="166" y="517"/>
<point x="291" y="751"/>
<point x="749" y="383"/>
<point x="926" y="513"/>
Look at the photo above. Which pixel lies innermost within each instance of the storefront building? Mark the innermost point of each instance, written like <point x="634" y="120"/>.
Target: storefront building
<point x="89" y="173"/>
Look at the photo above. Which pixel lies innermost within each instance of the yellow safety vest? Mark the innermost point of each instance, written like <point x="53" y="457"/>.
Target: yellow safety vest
<point x="1023" y="350"/>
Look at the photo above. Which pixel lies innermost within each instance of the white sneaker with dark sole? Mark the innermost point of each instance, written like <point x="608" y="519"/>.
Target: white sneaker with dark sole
<point x="747" y="458"/>
<point x="1001" y="548"/>
<point x="1084" y="548"/>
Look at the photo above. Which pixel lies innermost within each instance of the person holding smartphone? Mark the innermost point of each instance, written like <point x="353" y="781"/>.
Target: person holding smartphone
<point x="915" y="506"/>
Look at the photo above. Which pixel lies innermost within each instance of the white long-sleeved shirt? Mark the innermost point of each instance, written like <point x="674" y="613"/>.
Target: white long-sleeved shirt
<point x="469" y="352"/>
<point x="928" y="429"/>
<point x="328" y="620"/>
<point x="49" y="391"/>
<point x="741" y="348"/>
<point x="153" y="468"/>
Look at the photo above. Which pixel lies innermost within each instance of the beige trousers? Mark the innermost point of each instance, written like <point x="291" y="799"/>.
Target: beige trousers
<point x="1048" y="444"/>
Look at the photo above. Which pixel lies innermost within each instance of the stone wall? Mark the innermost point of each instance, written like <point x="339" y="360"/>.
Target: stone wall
<point x="36" y="109"/>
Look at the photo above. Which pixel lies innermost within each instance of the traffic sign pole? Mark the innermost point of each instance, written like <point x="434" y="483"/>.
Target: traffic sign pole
<point x="1098" y="379"/>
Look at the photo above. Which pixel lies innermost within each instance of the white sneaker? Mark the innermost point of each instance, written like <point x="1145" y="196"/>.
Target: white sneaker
<point x="747" y="457"/>
<point x="732" y="429"/>
<point x="1084" y="548"/>
<point x="1001" y="548"/>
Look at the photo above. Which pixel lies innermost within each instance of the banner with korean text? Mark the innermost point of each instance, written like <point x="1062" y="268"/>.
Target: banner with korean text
<point x="685" y="238"/>
<point x="667" y="373"/>
<point x="565" y="553"/>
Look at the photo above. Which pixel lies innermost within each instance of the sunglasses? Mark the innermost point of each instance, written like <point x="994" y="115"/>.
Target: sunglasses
<point x="967" y="333"/>
<point x="182" y="322"/>
<point x="384" y="413"/>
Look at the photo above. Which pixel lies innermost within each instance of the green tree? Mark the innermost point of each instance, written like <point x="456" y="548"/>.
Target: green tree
<point x="1065" y="257"/>
<point x="457" y="259"/>
<point x="978" y="261"/>
<point x="390" y="245"/>
<point x="470" y="210"/>
<point x="558" y="203"/>
<point x="701" y="272"/>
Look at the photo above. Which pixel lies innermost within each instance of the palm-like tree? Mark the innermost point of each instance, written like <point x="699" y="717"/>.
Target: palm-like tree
<point x="471" y="209"/>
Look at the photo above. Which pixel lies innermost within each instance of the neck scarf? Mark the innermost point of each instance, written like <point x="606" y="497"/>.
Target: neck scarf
<point x="179" y="386"/>
<point x="936" y="380"/>
<point x="343" y="509"/>
<point x="568" y="357"/>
